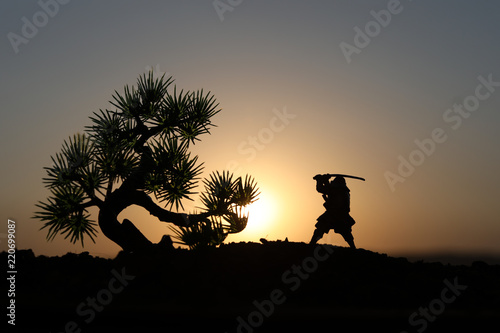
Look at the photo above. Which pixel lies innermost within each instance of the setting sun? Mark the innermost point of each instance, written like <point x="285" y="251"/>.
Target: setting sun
<point x="261" y="216"/>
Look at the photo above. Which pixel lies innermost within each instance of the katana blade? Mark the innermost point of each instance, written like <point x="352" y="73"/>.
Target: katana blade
<point x="346" y="176"/>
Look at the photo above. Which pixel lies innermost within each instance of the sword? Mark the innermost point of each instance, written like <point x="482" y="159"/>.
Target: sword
<point x="339" y="175"/>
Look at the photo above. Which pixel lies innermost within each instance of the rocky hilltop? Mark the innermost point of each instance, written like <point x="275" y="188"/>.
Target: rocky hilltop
<point x="251" y="287"/>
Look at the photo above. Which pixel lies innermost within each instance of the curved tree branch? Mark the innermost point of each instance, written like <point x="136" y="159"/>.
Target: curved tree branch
<point x="180" y="219"/>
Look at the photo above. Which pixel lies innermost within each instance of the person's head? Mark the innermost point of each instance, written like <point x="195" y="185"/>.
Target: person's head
<point x="339" y="181"/>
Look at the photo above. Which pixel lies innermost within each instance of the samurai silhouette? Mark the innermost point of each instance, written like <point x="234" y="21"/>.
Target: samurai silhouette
<point x="337" y="204"/>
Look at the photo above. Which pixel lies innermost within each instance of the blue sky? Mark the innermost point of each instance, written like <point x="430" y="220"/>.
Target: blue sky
<point x="360" y="114"/>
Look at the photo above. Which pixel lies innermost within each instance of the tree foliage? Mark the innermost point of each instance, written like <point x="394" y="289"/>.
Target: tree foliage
<point x="133" y="153"/>
<point x="225" y="195"/>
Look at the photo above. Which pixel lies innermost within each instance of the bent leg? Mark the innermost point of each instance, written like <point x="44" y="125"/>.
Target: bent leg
<point x="316" y="236"/>
<point x="348" y="237"/>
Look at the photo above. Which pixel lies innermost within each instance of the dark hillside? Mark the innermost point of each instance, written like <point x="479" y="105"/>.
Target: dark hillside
<point x="250" y="287"/>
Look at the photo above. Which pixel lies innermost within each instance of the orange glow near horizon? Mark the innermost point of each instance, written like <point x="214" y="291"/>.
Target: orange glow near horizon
<point x="261" y="216"/>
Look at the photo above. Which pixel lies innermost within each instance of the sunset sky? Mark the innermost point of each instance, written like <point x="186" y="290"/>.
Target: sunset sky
<point x="405" y="94"/>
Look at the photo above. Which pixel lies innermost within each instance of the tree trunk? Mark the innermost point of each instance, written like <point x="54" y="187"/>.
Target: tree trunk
<point x="125" y="234"/>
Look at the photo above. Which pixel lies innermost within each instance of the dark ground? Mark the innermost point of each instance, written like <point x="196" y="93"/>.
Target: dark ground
<point x="250" y="287"/>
